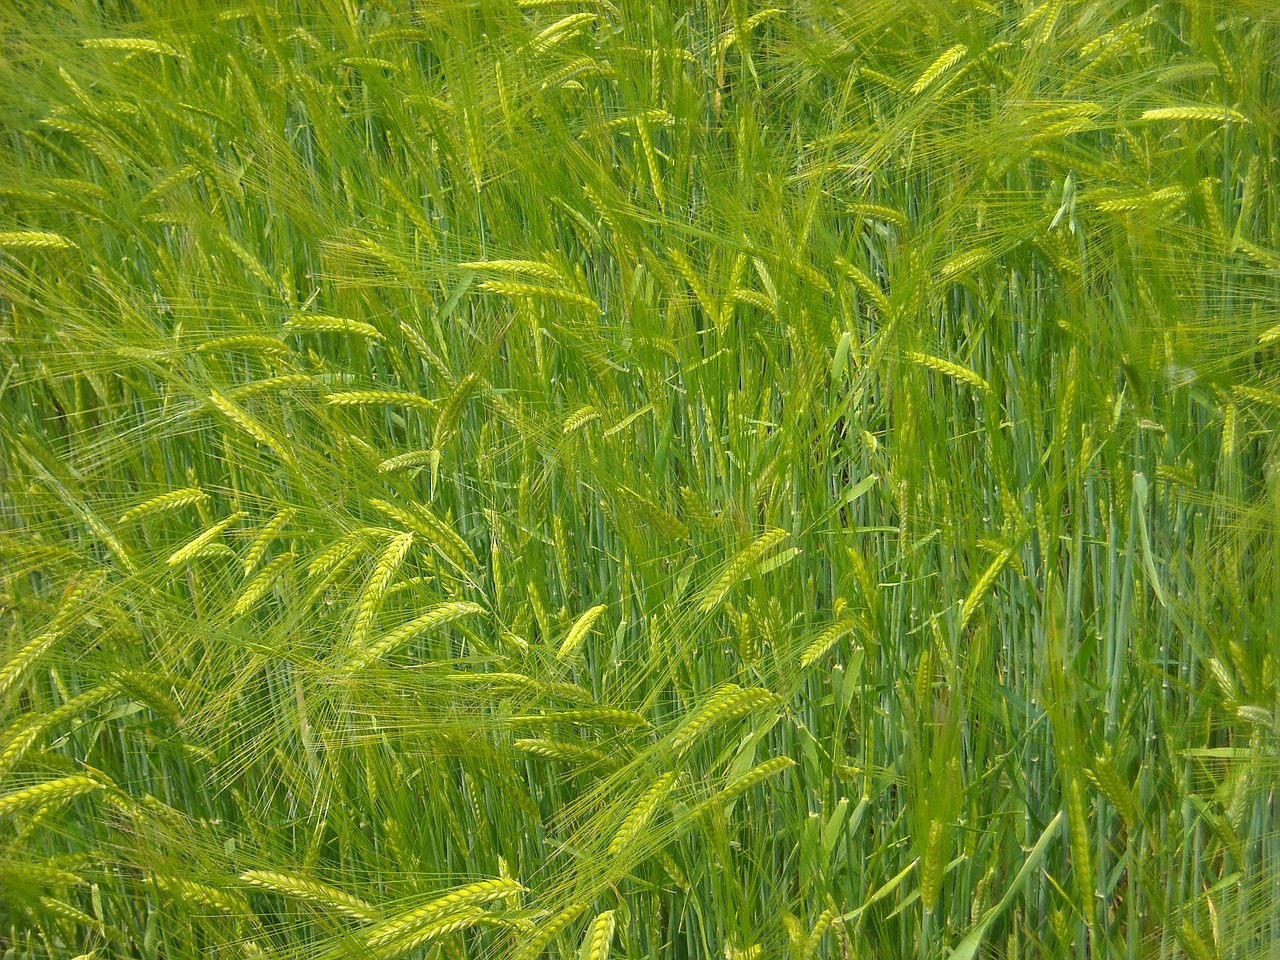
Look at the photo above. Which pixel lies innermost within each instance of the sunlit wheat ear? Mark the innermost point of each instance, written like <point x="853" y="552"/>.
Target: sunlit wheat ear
<point x="599" y="937"/>
<point x="578" y="632"/>
<point x="740" y="566"/>
<point x="169" y="500"/>
<point x="51" y="791"/>
<point x="34" y="240"/>
<point x="546" y="931"/>
<point x="311" y="891"/>
<point x="638" y="816"/>
<point x="376" y="586"/>
<point x="366" y="653"/>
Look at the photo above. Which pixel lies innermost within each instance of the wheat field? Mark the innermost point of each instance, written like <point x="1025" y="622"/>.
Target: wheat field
<point x="609" y="479"/>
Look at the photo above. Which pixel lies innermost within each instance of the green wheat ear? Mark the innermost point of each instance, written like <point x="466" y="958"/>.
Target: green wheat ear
<point x="781" y="480"/>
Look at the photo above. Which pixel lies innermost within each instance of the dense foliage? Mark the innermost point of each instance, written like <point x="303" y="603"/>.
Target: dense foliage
<point x="517" y="478"/>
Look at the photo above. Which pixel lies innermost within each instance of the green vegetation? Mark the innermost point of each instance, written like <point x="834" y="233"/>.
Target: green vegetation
<point x="522" y="478"/>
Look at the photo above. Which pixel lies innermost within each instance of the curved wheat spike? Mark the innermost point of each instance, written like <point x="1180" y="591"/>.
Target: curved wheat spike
<point x="379" y="398"/>
<point x="34" y="240"/>
<point x="609" y="716"/>
<point x="193" y="547"/>
<point x="427" y="524"/>
<point x="723" y="706"/>
<point x="472" y="895"/>
<point x="940" y="67"/>
<point x="405" y="461"/>
<point x="319" y="323"/>
<point x="510" y="288"/>
<point x="170" y="500"/>
<point x="530" y="268"/>
<point x="640" y="814"/>
<point x="312" y="891"/>
<point x="437" y="616"/>
<point x="949" y="369"/>
<point x="868" y="287"/>
<point x="559" y="750"/>
<point x="252" y="427"/>
<point x="265" y="535"/>
<point x="578" y="632"/>
<point x="376" y="586"/>
<point x="1193" y="112"/>
<point x="258" y="587"/>
<point x="51" y="791"/>
<point x="532" y="948"/>
<point x="740" y="567"/>
<point x="202" y="894"/>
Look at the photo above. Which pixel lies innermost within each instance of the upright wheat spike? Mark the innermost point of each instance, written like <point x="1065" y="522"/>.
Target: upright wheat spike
<point x="532" y="948"/>
<point x="376" y="586"/>
<point x="599" y="937"/>
<point x="979" y="591"/>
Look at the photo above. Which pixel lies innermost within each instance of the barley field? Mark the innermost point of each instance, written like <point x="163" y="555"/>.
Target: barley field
<point x="613" y="479"/>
